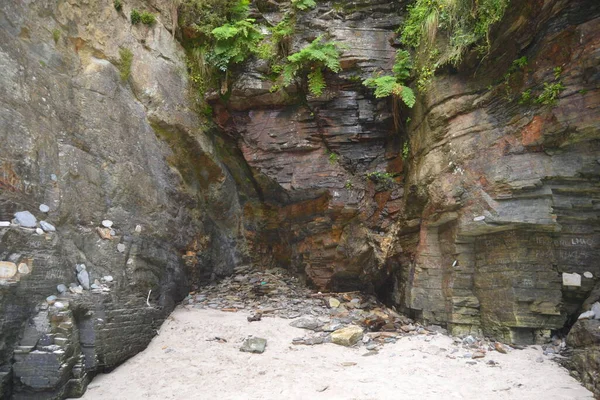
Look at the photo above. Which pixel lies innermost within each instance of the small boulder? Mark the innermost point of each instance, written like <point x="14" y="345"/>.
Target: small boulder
<point x="254" y="345"/>
<point x="26" y="219"/>
<point x="347" y="336"/>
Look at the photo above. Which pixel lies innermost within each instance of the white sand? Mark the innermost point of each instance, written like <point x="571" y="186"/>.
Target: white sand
<point x="182" y="364"/>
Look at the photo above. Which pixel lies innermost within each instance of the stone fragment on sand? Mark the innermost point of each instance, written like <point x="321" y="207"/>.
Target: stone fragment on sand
<point x="26" y="219"/>
<point x="254" y="345"/>
<point x="306" y="323"/>
<point x="347" y="336"/>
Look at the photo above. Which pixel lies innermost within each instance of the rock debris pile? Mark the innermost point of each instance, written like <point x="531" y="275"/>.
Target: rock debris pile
<point x="347" y="319"/>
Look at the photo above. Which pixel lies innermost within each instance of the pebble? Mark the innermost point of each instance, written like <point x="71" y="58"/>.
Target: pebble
<point x="107" y="223"/>
<point x="4" y="224"/>
<point x="84" y="278"/>
<point x="121" y="247"/>
<point x="48" y="227"/>
<point x="26" y="219"/>
<point x="61" y="288"/>
<point x="44" y="208"/>
<point x="254" y="345"/>
<point x="39" y="231"/>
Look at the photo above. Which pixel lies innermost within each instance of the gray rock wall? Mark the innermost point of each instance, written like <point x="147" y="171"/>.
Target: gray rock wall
<point x="76" y="137"/>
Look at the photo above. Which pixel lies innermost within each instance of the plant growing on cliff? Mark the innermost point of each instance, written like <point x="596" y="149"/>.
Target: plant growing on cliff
<point x="310" y="62"/>
<point x="234" y="43"/>
<point x="126" y="59"/>
<point x="449" y="28"/>
<point x="135" y="17"/>
<point x="56" y="35"/>
<point x="387" y="85"/>
<point x="304" y="4"/>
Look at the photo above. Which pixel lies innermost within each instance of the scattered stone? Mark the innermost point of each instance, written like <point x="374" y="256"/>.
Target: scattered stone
<point x="306" y="323"/>
<point x="571" y="279"/>
<point x="61" y="288"/>
<point x="254" y="345"/>
<point x="24" y="269"/>
<point x="4" y="224"/>
<point x="347" y="336"/>
<point x="39" y="231"/>
<point x="84" y="278"/>
<point x="121" y="247"/>
<point x="104" y="233"/>
<point x="48" y="227"/>
<point x="587" y="315"/>
<point x="44" y="208"/>
<point x="26" y="219"/>
<point x="7" y="270"/>
<point x="333" y="302"/>
<point x="596" y="310"/>
<point x="107" y="223"/>
<point x="500" y="348"/>
<point x="586" y="274"/>
<point x="255" y="317"/>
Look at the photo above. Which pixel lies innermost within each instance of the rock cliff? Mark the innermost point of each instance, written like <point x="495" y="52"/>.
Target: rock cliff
<point x="480" y="214"/>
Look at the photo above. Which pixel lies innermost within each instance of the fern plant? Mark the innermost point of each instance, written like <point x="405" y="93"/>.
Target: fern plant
<point x="388" y="85"/>
<point x="304" y="4"/>
<point x="310" y="62"/>
<point x="234" y="43"/>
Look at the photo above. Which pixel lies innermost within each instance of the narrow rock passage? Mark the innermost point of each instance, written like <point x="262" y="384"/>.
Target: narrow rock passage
<point x="186" y="362"/>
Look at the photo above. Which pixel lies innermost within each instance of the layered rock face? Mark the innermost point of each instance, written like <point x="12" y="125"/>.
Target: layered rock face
<point x="508" y="189"/>
<point x="92" y="147"/>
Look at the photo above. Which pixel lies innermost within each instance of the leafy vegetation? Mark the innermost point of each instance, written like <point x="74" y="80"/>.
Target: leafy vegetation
<point x="56" y="35"/>
<point x="118" y="5"/>
<point x="310" y="61"/>
<point x="394" y="85"/>
<point x="443" y="30"/>
<point x="147" y="18"/>
<point x="549" y="95"/>
<point x="304" y="4"/>
<point x="135" y="17"/>
<point x="234" y="43"/>
<point x="125" y="63"/>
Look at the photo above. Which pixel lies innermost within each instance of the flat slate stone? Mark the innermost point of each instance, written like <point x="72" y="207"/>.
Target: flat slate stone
<point x="254" y="345"/>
